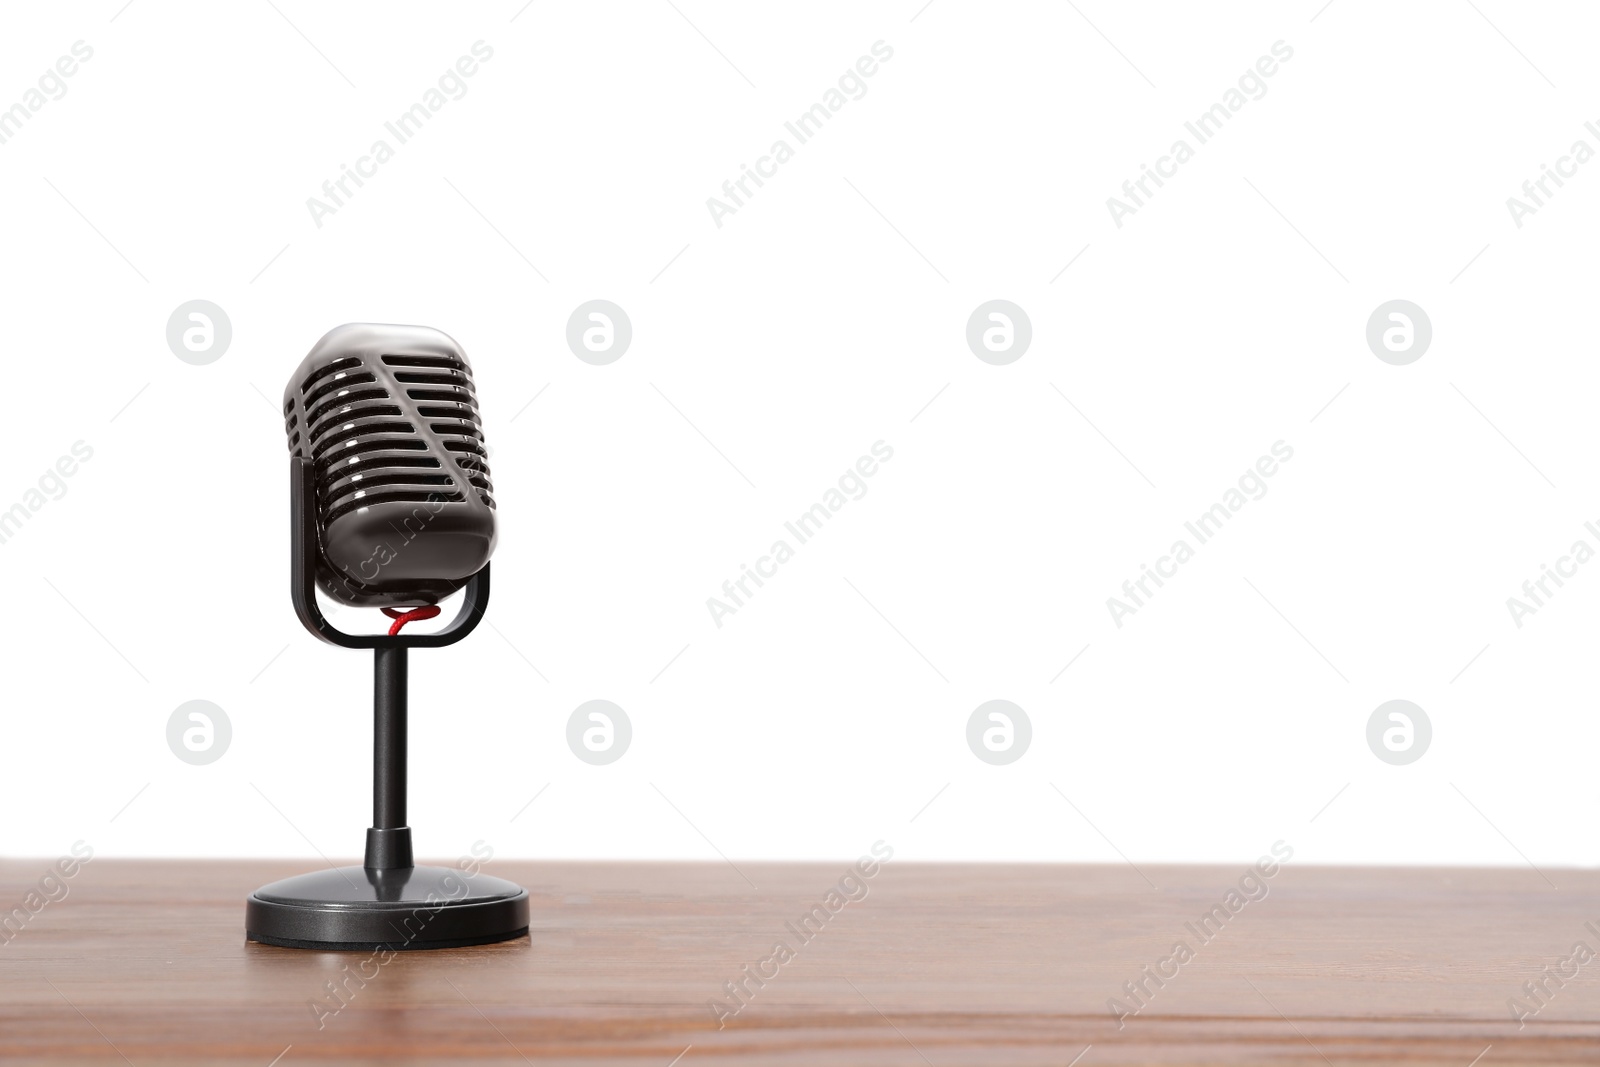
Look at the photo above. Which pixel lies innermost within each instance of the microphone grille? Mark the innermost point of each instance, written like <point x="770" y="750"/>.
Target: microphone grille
<point x="388" y="417"/>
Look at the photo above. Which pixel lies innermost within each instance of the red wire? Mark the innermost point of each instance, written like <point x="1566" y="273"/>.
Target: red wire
<point x="402" y="617"/>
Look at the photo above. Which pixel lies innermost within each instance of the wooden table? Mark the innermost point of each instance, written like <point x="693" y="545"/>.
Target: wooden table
<point x="146" y="963"/>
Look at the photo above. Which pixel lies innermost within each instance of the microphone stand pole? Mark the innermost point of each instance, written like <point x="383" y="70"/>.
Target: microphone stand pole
<point x="389" y="838"/>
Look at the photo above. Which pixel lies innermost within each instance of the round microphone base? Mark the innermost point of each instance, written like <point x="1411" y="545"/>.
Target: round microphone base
<point x="358" y="908"/>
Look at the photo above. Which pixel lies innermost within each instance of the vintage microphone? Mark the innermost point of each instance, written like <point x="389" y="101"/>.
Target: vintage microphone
<point x="391" y="507"/>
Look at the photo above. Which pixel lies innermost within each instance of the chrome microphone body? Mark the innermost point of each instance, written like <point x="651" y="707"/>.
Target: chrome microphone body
<point x="388" y="418"/>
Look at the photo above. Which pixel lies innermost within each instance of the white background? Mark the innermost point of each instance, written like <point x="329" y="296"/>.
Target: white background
<point x="822" y="317"/>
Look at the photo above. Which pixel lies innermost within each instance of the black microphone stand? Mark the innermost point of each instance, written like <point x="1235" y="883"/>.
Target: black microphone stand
<point x="388" y="902"/>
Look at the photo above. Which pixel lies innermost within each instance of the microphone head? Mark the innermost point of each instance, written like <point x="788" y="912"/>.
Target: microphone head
<point x="388" y="418"/>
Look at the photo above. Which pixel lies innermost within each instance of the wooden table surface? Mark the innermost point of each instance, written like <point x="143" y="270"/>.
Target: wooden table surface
<point x="146" y="963"/>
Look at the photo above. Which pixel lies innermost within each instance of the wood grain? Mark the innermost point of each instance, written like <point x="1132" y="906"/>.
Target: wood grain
<point x="146" y="963"/>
